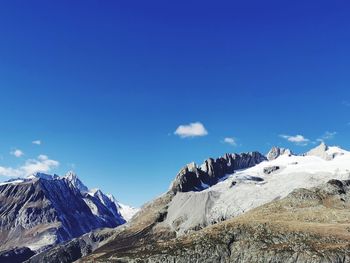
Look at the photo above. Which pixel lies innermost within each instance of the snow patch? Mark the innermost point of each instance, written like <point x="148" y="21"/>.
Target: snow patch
<point x="92" y="206"/>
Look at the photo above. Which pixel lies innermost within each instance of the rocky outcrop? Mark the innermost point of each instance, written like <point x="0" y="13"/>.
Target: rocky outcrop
<point x="194" y="178"/>
<point x="276" y="152"/>
<point x="271" y="169"/>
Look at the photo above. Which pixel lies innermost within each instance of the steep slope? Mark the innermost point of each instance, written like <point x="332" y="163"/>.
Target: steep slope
<point x="42" y="210"/>
<point x="306" y="226"/>
<point x="126" y="211"/>
<point x="117" y="209"/>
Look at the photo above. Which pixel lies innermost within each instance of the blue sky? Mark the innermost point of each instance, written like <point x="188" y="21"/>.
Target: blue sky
<point x="104" y="85"/>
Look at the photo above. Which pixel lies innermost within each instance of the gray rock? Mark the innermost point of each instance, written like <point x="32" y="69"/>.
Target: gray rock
<point x="276" y="152"/>
<point x="271" y="169"/>
<point x="194" y="178"/>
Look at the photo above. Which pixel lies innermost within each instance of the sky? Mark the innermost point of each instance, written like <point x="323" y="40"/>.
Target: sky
<point x="125" y="93"/>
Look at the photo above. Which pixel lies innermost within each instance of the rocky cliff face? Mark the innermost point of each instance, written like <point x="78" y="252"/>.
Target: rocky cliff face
<point x="44" y="210"/>
<point x="194" y="178"/>
<point x="276" y="152"/>
<point x="306" y="226"/>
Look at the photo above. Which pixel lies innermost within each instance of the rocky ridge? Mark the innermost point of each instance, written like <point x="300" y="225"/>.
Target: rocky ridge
<point x="309" y="225"/>
<point x="197" y="178"/>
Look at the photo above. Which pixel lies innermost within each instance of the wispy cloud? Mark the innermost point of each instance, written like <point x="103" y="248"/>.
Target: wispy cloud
<point x="346" y="103"/>
<point x="195" y="129"/>
<point x="297" y="139"/>
<point x="327" y="136"/>
<point x="10" y="172"/>
<point x="17" y="153"/>
<point x="37" y="142"/>
<point x="40" y="164"/>
<point x="230" y="141"/>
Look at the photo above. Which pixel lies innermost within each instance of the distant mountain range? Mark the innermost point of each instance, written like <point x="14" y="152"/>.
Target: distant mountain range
<point x="249" y="207"/>
<point x="42" y="210"/>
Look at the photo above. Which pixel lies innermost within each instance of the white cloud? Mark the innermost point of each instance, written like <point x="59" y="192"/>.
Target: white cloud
<point x="17" y="153"/>
<point x="41" y="164"/>
<point x="297" y="139"/>
<point x="327" y="136"/>
<point x="230" y="140"/>
<point x="191" y="130"/>
<point x="10" y="172"/>
<point x="37" y="142"/>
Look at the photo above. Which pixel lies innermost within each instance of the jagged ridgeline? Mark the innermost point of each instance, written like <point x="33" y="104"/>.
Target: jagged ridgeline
<point x="249" y="207"/>
<point x="195" y="178"/>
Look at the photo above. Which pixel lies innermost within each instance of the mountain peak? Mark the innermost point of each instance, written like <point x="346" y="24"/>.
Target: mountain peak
<point x="43" y="176"/>
<point x="62" y="212"/>
<point x="276" y="152"/>
<point x="326" y="152"/>
<point x="319" y="151"/>
<point x="73" y="180"/>
<point x="94" y="191"/>
<point x="322" y="146"/>
<point x="71" y="175"/>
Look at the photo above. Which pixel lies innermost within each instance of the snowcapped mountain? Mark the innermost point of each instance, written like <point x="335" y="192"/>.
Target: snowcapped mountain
<point x="245" y="189"/>
<point x="117" y="209"/>
<point x="126" y="211"/>
<point x="43" y="209"/>
<point x="275" y="152"/>
<point x="72" y="179"/>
